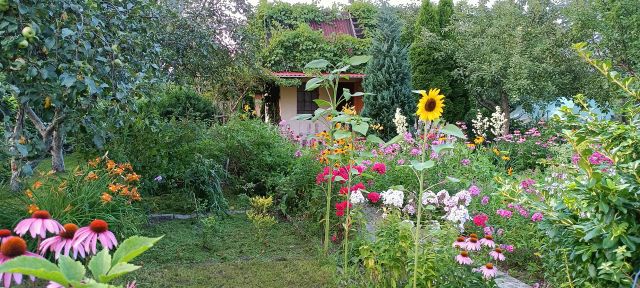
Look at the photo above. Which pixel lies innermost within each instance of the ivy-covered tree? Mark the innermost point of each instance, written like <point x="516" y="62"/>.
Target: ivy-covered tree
<point x="60" y="59"/>
<point x="432" y="60"/>
<point x="388" y="77"/>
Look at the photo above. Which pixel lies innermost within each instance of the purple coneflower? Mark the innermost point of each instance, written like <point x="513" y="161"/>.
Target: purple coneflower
<point x="38" y="225"/>
<point x="12" y="248"/>
<point x="62" y="243"/>
<point x="473" y="244"/>
<point x="497" y="254"/>
<point x="460" y="243"/>
<point x="463" y="258"/>
<point x="488" y="271"/>
<point x="488" y="241"/>
<point x="88" y="237"/>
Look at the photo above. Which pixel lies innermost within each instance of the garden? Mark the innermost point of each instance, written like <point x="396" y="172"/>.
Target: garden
<point x="238" y="143"/>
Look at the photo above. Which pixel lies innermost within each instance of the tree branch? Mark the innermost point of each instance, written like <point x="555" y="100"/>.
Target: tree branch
<point x="44" y="130"/>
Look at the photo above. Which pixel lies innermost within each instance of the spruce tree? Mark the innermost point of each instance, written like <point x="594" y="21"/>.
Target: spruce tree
<point x="388" y="76"/>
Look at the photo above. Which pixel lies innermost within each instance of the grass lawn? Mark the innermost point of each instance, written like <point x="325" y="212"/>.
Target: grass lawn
<point x="233" y="257"/>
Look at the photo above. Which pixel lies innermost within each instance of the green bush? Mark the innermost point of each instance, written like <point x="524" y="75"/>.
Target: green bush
<point x="180" y="102"/>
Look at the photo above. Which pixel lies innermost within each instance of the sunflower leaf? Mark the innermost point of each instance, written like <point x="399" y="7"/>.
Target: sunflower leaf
<point x="452" y="130"/>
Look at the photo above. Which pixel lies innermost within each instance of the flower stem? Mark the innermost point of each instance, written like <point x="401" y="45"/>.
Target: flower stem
<point x="419" y="200"/>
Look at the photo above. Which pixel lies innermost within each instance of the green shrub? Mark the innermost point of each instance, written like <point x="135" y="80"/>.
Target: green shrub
<point x="180" y="102"/>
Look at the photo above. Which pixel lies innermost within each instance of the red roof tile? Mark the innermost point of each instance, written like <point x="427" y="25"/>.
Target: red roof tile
<point x="286" y="74"/>
<point x="337" y="26"/>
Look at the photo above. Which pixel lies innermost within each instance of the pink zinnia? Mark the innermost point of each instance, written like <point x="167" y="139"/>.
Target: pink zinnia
<point x="473" y="244"/>
<point x="340" y="207"/>
<point x="379" y="168"/>
<point x="38" y="225"/>
<point x="463" y="258"/>
<point x="488" y="271"/>
<point x="4" y="235"/>
<point x="89" y="236"/>
<point x="62" y="243"/>
<point x="358" y="186"/>
<point x="12" y="248"/>
<point x="497" y="254"/>
<point x="460" y="243"/>
<point x="374" y="197"/>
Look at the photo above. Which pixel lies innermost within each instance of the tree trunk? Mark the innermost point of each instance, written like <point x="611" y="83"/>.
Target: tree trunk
<point x="16" y="167"/>
<point x="57" y="150"/>
<point x="507" y="113"/>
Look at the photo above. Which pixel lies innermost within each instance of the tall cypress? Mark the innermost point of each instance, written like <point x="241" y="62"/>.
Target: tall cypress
<point x="432" y="64"/>
<point x="388" y="76"/>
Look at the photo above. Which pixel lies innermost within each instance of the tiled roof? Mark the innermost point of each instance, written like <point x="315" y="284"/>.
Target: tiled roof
<point x="286" y="74"/>
<point x="337" y="27"/>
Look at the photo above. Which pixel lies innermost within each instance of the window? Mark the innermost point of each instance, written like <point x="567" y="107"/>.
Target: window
<point x="305" y="101"/>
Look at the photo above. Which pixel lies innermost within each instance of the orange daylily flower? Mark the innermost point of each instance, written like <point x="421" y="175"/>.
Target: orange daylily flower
<point x="29" y="194"/>
<point x="37" y="185"/>
<point x="132" y="177"/>
<point x="32" y="208"/>
<point x="111" y="164"/>
<point x="106" y="197"/>
<point x="94" y="163"/>
<point x="91" y="176"/>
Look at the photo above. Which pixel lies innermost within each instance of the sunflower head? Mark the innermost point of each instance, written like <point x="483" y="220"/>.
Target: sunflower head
<point x="430" y="105"/>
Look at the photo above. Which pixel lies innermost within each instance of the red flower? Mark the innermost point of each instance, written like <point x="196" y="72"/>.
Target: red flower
<point x="358" y="186"/>
<point x="480" y="219"/>
<point x="344" y="191"/>
<point x="340" y="207"/>
<point x="380" y="168"/>
<point x="374" y="197"/>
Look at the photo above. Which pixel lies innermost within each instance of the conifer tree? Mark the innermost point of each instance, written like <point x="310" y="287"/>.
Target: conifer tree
<point x="388" y="76"/>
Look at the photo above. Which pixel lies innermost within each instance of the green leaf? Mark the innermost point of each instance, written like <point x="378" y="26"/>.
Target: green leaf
<point x="100" y="264"/>
<point x="452" y="179"/>
<point x="341" y="134"/>
<point x="322" y="102"/>
<point x="67" y="32"/>
<point x="119" y="270"/>
<point x="375" y="139"/>
<point x="441" y="147"/>
<point x="132" y="247"/>
<point x="357" y="60"/>
<point x="394" y="140"/>
<point x="452" y="130"/>
<point x="37" y="267"/>
<point x="317" y="64"/>
<point x="346" y="94"/>
<point x="361" y="127"/>
<point x="303" y="117"/>
<point x="72" y="270"/>
<point x="313" y="83"/>
<point x="67" y="80"/>
<point x="419" y="166"/>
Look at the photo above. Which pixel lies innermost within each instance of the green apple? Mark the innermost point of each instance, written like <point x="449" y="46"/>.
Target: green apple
<point x="28" y="32"/>
<point x="23" y="44"/>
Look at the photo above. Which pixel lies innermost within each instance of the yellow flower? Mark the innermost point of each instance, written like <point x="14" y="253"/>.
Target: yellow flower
<point x="349" y="110"/>
<point x="510" y="171"/>
<point x="32" y="208"/>
<point x="377" y="127"/>
<point x="106" y="197"/>
<point x="430" y="105"/>
<point x="496" y="151"/>
<point x="505" y="158"/>
<point x="471" y="145"/>
<point x="479" y="140"/>
<point x="29" y="194"/>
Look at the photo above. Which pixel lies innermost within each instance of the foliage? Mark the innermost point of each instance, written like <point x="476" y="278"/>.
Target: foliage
<point x="606" y="25"/>
<point x="101" y="189"/>
<point x="366" y="15"/>
<point x="203" y="179"/>
<point x="180" y="102"/>
<point x="388" y="78"/>
<point x="70" y="273"/>
<point x="100" y="53"/>
<point x="260" y="217"/>
<point x="510" y="55"/>
<point x="432" y="60"/>
<point x="290" y="50"/>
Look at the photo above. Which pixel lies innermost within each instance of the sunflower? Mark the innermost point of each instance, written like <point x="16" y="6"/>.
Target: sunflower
<point x="430" y="105"/>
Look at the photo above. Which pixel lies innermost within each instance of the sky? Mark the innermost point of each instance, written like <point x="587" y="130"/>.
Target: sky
<point x="328" y="3"/>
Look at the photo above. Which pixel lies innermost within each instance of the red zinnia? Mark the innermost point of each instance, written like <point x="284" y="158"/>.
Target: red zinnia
<point x="480" y="219"/>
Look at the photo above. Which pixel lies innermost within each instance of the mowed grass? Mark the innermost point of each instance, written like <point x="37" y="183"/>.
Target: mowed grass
<point x="232" y="257"/>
